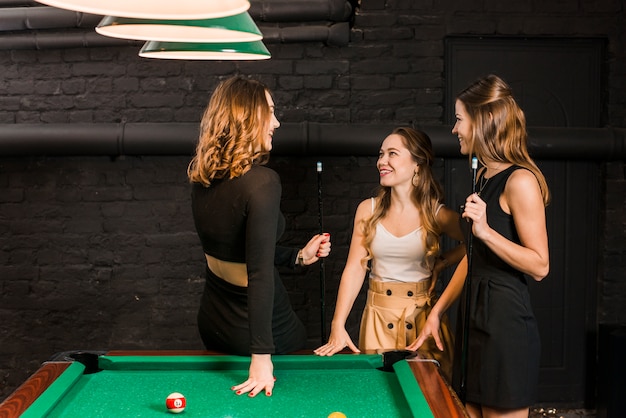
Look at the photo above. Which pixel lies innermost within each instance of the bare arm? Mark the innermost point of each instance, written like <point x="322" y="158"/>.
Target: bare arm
<point x="349" y="287"/>
<point x="450" y="294"/>
<point x="448" y="221"/>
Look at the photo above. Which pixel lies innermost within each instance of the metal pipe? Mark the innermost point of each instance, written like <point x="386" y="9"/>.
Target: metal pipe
<point x="298" y="139"/>
<point x="35" y="25"/>
<point x="15" y="3"/>
<point x="46" y="17"/>
<point x="300" y="11"/>
<point x="35" y="18"/>
<point x="59" y="40"/>
<point x="336" y="34"/>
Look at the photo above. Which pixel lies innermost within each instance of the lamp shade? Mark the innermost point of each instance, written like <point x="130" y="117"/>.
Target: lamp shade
<point x="205" y="51"/>
<point x="237" y="28"/>
<point x="155" y="9"/>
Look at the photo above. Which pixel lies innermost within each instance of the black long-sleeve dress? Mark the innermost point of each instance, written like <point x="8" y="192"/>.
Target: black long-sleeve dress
<point x="239" y="220"/>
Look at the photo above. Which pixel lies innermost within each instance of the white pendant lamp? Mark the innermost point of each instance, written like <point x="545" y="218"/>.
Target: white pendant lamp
<point x="155" y="9"/>
<point x="205" y="51"/>
<point x="237" y="28"/>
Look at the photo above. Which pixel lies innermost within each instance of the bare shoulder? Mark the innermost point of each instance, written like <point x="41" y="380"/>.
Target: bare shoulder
<point x="523" y="194"/>
<point x="364" y="210"/>
<point x="446" y="212"/>
<point x="445" y="215"/>
<point x="522" y="181"/>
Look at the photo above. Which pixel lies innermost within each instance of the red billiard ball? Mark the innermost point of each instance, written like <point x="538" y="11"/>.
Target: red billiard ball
<point x="175" y="402"/>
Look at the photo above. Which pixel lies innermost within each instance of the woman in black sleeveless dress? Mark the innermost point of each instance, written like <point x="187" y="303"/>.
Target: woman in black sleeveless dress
<point x="507" y="215"/>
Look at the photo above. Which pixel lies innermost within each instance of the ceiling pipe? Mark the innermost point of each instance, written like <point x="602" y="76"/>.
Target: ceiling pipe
<point x="15" y="3"/>
<point x="301" y="11"/>
<point x="45" y="27"/>
<point x="296" y="139"/>
<point x="60" y="40"/>
<point x="46" y="17"/>
<point x="337" y="34"/>
<point x="35" y="18"/>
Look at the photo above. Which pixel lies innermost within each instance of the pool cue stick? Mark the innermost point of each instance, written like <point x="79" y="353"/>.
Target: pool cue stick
<point x="468" y="283"/>
<point x="320" y="212"/>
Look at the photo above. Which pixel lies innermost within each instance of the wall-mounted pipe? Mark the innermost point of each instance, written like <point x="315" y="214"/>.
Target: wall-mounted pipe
<point x="296" y="139"/>
<point x="60" y="40"/>
<point x="16" y="3"/>
<point x="46" y="17"/>
<point x="300" y="10"/>
<point x="37" y="18"/>
<point x="336" y="34"/>
<point x="46" y="27"/>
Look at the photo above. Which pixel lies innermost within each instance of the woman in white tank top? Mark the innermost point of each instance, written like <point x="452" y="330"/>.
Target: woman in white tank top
<point x="395" y="242"/>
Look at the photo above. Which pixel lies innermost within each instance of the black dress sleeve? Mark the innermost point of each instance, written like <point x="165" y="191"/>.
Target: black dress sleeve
<point x="286" y="256"/>
<point x="263" y="212"/>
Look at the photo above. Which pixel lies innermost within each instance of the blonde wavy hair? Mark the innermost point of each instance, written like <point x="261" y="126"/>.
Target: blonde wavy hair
<point x="427" y="194"/>
<point x="231" y="131"/>
<point x="499" y="126"/>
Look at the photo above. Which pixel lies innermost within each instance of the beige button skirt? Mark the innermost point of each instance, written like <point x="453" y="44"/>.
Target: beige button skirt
<point x="393" y="316"/>
<point x="388" y="321"/>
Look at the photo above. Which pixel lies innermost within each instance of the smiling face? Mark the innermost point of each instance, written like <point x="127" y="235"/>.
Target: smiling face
<point x="463" y="128"/>
<point x="396" y="165"/>
<point x="273" y="123"/>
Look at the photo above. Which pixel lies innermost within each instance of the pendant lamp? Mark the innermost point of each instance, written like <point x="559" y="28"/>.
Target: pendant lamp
<point x="205" y="51"/>
<point x="155" y="9"/>
<point x="237" y="28"/>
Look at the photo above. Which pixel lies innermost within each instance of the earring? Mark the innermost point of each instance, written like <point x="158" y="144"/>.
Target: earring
<point x="414" y="179"/>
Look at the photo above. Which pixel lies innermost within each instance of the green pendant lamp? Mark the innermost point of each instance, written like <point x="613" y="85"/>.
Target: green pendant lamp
<point x="205" y="51"/>
<point x="237" y="28"/>
<point x="155" y="9"/>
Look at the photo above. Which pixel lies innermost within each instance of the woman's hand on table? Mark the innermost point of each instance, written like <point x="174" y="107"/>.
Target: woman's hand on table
<point x="260" y="377"/>
<point x="337" y="341"/>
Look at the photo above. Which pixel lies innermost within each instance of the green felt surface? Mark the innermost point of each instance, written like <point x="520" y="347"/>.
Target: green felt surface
<point x="306" y="386"/>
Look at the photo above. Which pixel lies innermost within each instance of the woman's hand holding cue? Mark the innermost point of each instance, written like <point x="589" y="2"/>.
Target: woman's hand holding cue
<point x="317" y="247"/>
<point x="476" y="211"/>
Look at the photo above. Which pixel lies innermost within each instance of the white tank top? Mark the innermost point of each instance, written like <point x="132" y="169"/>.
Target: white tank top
<point x="398" y="259"/>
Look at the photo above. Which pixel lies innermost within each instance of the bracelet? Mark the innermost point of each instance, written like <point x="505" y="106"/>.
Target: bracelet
<point x="300" y="258"/>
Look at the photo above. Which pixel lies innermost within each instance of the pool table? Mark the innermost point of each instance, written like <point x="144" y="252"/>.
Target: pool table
<point x="136" y="383"/>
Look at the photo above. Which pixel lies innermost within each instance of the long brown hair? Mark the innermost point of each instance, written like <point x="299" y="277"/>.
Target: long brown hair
<point x="231" y="131"/>
<point x="427" y="195"/>
<point x="499" y="126"/>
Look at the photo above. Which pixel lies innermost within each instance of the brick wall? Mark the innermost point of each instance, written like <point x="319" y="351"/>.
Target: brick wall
<point x="100" y="253"/>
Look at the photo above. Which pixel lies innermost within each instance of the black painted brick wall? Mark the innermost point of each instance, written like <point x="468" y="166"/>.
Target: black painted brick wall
<point x="100" y="253"/>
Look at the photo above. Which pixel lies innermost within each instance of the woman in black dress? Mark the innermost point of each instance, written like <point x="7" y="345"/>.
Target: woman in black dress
<point x="507" y="215"/>
<point x="245" y="308"/>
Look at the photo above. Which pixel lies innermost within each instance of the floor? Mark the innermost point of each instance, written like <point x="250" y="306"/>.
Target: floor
<point x="548" y="412"/>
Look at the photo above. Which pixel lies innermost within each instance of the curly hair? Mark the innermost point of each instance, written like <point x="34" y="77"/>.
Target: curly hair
<point x="499" y="126"/>
<point x="231" y="131"/>
<point x="427" y="194"/>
